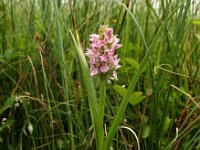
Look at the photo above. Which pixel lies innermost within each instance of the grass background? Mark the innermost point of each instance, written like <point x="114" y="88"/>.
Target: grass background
<point x="41" y="84"/>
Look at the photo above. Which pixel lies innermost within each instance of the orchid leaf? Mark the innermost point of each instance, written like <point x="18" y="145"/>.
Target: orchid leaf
<point x="135" y="97"/>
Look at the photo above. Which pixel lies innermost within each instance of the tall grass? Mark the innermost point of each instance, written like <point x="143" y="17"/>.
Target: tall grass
<point x="48" y="100"/>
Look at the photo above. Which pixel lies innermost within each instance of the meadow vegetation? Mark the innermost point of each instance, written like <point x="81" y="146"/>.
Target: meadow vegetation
<point x="49" y="100"/>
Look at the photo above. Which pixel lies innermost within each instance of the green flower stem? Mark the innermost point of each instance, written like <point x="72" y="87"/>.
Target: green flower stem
<point x="102" y="98"/>
<point x="101" y="110"/>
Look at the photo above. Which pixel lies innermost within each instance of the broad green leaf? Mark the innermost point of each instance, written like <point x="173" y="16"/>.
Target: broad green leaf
<point x="120" y="90"/>
<point x="167" y="124"/>
<point x="8" y="103"/>
<point x="132" y="62"/>
<point x="145" y="131"/>
<point x="135" y="97"/>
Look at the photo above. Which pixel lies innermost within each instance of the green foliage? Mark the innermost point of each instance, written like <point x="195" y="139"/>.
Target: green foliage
<point x="146" y="131"/>
<point x="132" y="62"/>
<point x="135" y="97"/>
<point x="7" y="104"/>
<point x="6" y="123"/>
<point x="45" y="79"/>
<point x="196" y="22"/>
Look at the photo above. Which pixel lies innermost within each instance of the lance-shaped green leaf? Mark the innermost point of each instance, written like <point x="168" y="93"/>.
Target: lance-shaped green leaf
<point x="94" y="110"/>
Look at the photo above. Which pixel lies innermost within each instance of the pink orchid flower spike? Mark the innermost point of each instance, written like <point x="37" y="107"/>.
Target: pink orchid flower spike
<point x="101" y="54"/>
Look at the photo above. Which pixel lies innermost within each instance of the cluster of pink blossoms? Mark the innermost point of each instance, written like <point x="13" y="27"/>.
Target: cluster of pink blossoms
<point x="102" y="57"/>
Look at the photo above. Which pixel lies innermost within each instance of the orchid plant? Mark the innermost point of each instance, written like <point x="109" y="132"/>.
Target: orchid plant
<point x="104" y="62"/>
<point x="102" y="57"/>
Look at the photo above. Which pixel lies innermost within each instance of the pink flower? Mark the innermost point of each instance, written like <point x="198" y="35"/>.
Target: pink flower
<point x="101" y="54"/>
<point x="93" y="70"/>
<point x="96" y="42"/>
<point x="104" y="57"/>
<point x="89" y="52"/>
<point x="115" y="60"/>
<point x="108" y="36"/>
<point x="94" y="37"/>
<point x="104" y="68"/>
<point x="109" y="32"/>
<point x="115" y="44"/>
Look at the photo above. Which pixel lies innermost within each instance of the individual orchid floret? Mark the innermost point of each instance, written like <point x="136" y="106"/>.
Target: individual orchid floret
<point x="101" y="53"/>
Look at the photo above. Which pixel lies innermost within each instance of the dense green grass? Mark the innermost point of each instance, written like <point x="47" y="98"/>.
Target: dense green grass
<point x="48" y="100"/>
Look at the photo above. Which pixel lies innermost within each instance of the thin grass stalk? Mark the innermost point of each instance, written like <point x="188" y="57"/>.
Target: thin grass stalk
<point x="47" y="92"/>
<point x="31" y="21"/>
<point x="12" y="13"/>
<point x="63" y="70"/>
<point x="3" y="27"/>
<point x="135" y="78"/>
<point x="184" y="128"/>
<point x="184" y="132"/>
<point x="163" y="118"/>
<point x="180" y="32"/>
<point x="194" y="140"/>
